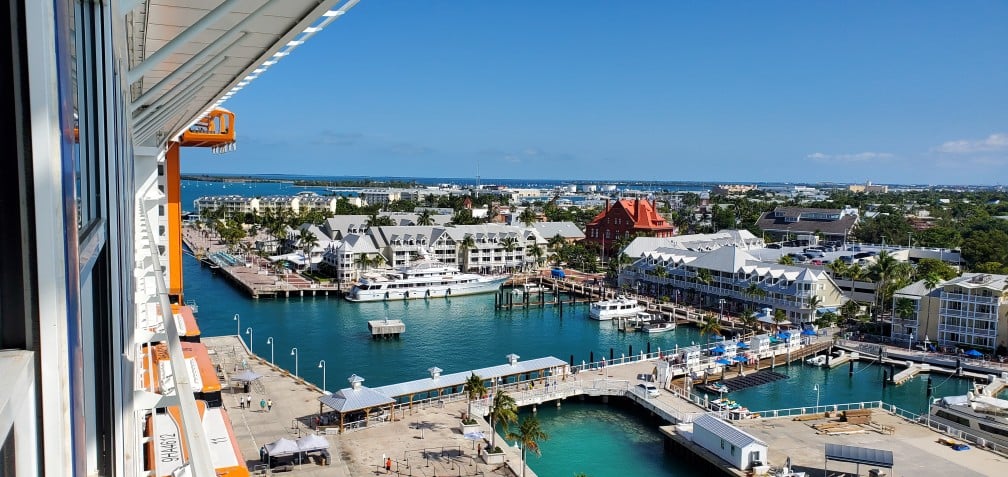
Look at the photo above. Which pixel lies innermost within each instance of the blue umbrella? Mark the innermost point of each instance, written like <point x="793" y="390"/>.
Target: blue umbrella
<point x="723" y="362"/>
<point x="741" y="359"/>
<point x="742" y="345"/>
<point x="719" y="349"/>
<point x="808" y="332"/>
<point x="974" y="353"/>
<point x="784" y="335"/>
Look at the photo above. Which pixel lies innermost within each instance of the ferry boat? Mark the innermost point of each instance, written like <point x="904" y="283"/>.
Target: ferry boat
<point x="618" y="307"/>
<point x="985" y="417"/>
<point x="425" y="278"/>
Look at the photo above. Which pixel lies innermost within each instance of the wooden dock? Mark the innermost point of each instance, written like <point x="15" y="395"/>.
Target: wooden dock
<point x="386" y="328"/>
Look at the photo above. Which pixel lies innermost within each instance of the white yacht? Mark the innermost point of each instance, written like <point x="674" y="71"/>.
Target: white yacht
<point x="422" y="279"/>
<point x="985" y="417"/>
<point x="618" y="307"/>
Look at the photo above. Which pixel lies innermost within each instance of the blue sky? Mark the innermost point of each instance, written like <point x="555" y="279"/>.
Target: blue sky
<point x="894" y="92"/>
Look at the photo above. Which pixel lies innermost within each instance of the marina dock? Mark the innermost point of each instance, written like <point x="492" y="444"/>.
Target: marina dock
<point x="251" y="274"/>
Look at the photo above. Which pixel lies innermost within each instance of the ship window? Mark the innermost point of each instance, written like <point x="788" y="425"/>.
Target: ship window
<point x="992" y="429"/>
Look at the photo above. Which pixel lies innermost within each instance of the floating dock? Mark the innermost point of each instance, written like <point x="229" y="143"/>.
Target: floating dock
<point x="386" y="328"/>
<point x="758" y="378"/>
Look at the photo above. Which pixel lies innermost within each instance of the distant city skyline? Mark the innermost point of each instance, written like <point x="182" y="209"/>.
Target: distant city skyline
<point x="898" y="92"/>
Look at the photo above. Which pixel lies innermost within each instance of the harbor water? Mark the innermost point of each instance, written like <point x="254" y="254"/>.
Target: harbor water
<point x="463" y="333"/>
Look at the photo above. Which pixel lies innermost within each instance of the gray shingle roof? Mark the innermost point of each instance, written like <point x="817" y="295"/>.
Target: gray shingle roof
<point x="349" y="399"/>
<point x="567" y="230"/>
<point x="726" y="431"/>
<point x="796" y="219"/>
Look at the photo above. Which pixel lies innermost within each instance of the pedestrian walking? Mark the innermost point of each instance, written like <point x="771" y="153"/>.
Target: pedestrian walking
<point x="241" y="403"/>
<point x="248" y="401"/>
<point x="269" y="405"/>
<point x="388" y="464"/>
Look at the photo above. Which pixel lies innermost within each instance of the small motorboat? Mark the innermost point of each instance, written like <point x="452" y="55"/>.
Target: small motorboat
<point x="659" y="327"/>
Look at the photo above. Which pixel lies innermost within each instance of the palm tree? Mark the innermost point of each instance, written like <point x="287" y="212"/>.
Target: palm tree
<point x="425" y="218"/>
<point x="503" y="412"/>
<point x="307" y="241"/>
<point x="529" y="434"/>
<point x="378" y="260"/>
<point x="528" y="216"/>
<point x="882" y="271"/>
<point x="556" y="242"/>
<point x="931" y="281"/>
<point x="813" y="304"/>
<point x="362" y="261"/>
<point x="785" y="260"/>
<point x="467" y="243"/>
<point x="378" y="221"/>
<point x="710" y="326"/>
<point x="537" y="254"/>
<point x="904" y="308"/>
<point x="749" y="320"/>
<point x="510" y="244"/>
<point x="779" y="316"/>
<point x="474" y="388"/>
<point x="855" y="273"/>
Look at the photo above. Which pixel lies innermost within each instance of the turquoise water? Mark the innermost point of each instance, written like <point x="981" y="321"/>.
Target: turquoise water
<point x="602" y="440"/>
<point x="837" y="386"/>
<point x="454" y="334"/>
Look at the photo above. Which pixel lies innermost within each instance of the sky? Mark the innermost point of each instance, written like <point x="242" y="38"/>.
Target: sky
<point x="893" y="92"/>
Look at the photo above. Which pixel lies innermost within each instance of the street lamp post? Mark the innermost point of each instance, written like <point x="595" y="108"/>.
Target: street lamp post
<point x="815" y="388"/>
<point x="721" y="309"/>
<point x="248" y="331"/>
<point x="238" y="319"/>
<point x="321" y="364"/>
<point x="269" y="341"/>
<point x="294" y="353"/>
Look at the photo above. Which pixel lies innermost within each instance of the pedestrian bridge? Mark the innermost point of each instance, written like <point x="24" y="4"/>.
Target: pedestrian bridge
<point x="670" y="405"/>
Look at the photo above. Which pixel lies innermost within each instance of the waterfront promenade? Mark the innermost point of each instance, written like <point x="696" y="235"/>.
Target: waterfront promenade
<point x="424" y="442"/>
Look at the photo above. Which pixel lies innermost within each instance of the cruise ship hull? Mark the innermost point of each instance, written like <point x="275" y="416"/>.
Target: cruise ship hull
<point x="490" y="285"/>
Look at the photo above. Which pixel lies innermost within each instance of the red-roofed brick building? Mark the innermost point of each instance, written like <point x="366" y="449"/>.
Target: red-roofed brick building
<point x="627" y="218"/>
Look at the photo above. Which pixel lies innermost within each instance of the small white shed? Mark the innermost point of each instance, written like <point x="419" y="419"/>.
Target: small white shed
<point x="728" y="442"/>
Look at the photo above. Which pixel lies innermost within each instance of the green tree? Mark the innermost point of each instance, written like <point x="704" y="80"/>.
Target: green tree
<point x="425" y="218"/>
<point x="307" y="241"/>
<point x="467" y="243"/>
<point x="376" y="220"/>
<point x="709" y="327"/>
<point x="475" y="388"/>
<point x="529" y="435"/>
<point x="536" y="252"/>
<point x="904" y="308"/>
<point x="504" y="411"/>
<point x="528" y="216"/>
<point x="785" y="260"/>
<point x="936" y="267"/>
<point x="779" y="316"/>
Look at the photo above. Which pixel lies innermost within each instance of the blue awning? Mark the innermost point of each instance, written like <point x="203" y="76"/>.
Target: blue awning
<point x="741" y="359"/>
<point x="723" y="361"/>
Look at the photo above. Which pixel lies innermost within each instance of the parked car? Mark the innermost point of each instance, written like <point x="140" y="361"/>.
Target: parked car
<point x="648" y="389"/>
<point x="773" y="245"/>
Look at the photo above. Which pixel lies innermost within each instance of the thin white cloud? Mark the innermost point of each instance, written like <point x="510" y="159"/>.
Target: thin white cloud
<point x="856" y="157"/>
<point x="993" y="143"/>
